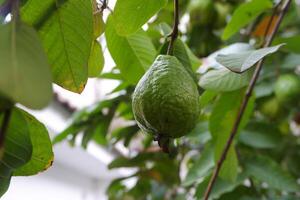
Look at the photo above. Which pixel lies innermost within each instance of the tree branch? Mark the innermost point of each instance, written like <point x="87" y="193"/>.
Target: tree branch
<point x="174" y="33"/>
<point x="4" y="126"/>
<point x="246" y="98"/>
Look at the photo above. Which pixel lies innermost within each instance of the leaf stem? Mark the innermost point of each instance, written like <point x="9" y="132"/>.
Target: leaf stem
<point x="268" y="41"/>
<point x="4" y="126"/>
<point x="174" y="33"/>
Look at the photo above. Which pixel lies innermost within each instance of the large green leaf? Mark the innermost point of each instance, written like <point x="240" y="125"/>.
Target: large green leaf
<point x="42" y="154"/>
<point x="220" y="125"/>
<point x="244" y="14"/>
<point x="25" y="75"/>
<point x="224" y="80"/>
<point x="240" y="62"/>
<point x="201" y="168"/>
<point x="133" y="54"/>
<point x="66" y="30"/>
<point x="129" y="16"/>
<point x="17" y="148"/>
<point x="266" y="170"/>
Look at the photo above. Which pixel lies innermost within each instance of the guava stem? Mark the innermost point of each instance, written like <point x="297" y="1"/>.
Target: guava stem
<point x="174" y="33"/>
<point x="163" y="143"/>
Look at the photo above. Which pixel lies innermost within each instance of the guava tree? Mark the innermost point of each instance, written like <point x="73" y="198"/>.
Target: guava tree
<point x="209" y="92"/>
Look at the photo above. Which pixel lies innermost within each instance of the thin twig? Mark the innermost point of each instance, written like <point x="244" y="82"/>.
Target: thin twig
<point x="245" y="101"/>
<point x="174" y="33"/>
<point x="4" y="126"/>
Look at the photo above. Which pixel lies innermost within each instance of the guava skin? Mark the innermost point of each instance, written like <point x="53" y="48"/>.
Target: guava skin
<point x="166" y="99"/>
<point x="287" y="89"/>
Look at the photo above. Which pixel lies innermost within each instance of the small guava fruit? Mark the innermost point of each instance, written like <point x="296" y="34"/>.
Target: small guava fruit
<point x="166" y="99"/>
<point x="287" y="89"/>
<point x="271" y="108"/>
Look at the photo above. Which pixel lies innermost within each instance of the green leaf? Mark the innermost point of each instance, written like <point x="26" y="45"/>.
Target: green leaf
<point x="139" y="160"/>
<point x="25" y="75"/>
<point x="261" y="135"/>
<point x="266" y="170"/>
<point x="96" y="60"/>
<point x="291" y="61"/>
<point x="224" y="80"/>
<point x="201" y="168"/>
<point x="111" y="75"/>
<point x="72" y="129"/>
<point x="66" y="30"/>
<point x="129" y="16"/>
<point x="42" y="154"/>
<point x="244" y="14"/>
<point x="207" y="97"/>
<point x="124" y="133"/>
<point x="200" y="134"/>
<point x="240" y="62"/>
<point x="180" y="51"/>
<point x="292" y="43"/>
<point x="133" y="54"/>
<point x="220" y="125"/>
<point x="221" y="187"/>
<point x="17" y="148"/>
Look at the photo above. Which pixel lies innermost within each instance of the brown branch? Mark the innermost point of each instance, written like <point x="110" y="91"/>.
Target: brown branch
<point x="4" y="126"/>
<point x="245" y="100"/>
<point x="174" y="33"/>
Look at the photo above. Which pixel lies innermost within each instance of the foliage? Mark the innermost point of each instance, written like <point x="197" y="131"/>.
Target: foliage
<point x="55" y="41"/>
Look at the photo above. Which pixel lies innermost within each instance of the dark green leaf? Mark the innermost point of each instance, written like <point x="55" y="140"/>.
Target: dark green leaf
<point x="261" y="135"/>
<point x="266" y="170"/>
<point x="25" y="75"/>
<point x="221" y="187"/>
<point x="17" y="148"/>
<point x="42" y="154"/>
<point x="138" y="160"/>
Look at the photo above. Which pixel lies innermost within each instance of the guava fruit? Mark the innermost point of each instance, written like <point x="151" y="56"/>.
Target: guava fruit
<point x="287" y="89"/>
<point x="166" y="99"/>
<point x="270" y="108"/>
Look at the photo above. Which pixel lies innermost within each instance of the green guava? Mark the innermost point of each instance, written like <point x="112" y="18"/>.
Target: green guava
<point x="166" y="99"/>
<point x="287" y="89"/>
